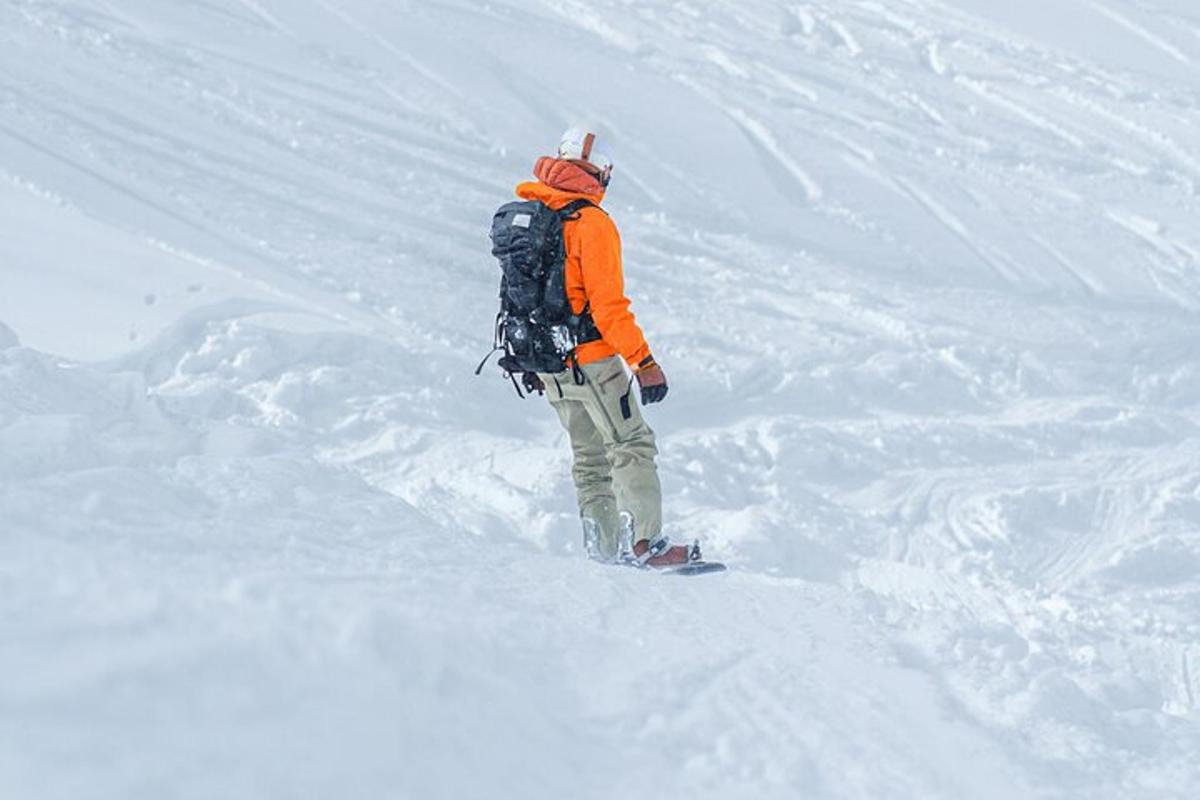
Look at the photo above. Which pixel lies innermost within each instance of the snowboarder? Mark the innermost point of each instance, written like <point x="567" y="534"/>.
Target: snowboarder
<point x="616" y="480"/>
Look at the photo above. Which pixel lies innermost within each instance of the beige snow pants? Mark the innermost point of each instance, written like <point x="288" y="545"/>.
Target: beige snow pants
<point x="616" y="481"/>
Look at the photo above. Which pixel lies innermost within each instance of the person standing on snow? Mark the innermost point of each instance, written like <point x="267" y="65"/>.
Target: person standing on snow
<point x="616" y="480"/>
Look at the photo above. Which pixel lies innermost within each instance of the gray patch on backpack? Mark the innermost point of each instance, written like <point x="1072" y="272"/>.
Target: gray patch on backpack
<point x="522" y="220"/>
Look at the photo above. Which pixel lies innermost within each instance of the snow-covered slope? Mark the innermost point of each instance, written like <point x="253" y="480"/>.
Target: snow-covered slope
<point x="925" y="279"/>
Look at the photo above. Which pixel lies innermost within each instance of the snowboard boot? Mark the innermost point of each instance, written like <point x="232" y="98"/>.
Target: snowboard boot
<point x="601" y="531"/>
<point x="625" y="542"/>
<point x="661" y="553"/>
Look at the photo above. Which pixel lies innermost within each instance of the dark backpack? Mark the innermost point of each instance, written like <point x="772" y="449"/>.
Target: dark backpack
<point x="535" y="328"/>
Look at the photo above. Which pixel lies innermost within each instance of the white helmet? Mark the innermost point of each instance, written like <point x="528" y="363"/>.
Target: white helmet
<point x="579" y="144"/>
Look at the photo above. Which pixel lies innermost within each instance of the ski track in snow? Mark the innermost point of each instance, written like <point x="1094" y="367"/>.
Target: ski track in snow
<point x="925" y="279"/>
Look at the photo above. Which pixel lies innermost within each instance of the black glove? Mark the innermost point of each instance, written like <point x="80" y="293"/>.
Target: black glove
<point x="651" y="379"/>
<point x="532" y="383"/>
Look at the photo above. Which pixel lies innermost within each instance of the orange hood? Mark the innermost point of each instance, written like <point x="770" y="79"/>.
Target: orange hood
<point x="560" y="181"/>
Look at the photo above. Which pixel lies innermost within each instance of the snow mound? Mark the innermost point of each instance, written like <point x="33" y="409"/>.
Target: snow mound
<point x="8" y="337"/>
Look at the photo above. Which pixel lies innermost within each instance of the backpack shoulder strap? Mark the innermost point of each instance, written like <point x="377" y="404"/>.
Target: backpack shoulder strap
<point x="571" y="210"/>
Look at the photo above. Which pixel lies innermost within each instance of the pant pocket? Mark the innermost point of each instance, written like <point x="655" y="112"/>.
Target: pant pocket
<point x="610" y="376"/>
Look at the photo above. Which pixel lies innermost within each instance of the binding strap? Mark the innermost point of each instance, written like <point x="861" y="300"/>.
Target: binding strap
<point x="654" y="548"/>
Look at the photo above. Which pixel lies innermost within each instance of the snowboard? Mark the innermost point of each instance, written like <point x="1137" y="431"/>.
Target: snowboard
<point x="693" y="568"/>
<point x="698" y="566"/>
<point x="690" y="568"/>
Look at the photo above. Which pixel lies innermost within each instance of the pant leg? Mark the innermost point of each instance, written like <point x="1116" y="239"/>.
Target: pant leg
<point x="592" y="474"/>
<point x="629" y="444"/>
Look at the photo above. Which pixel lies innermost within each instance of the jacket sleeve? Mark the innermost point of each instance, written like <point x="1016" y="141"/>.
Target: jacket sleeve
<point x="604" y="285"/>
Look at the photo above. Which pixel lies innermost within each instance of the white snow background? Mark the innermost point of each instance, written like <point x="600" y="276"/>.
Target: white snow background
<point x="924" y="276"/>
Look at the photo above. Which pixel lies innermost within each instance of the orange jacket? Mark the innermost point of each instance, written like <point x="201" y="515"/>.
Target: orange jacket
<point x="594" y="275"/>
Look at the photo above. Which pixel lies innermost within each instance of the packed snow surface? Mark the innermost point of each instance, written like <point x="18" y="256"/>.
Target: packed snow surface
<point x="924" y="276"/>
